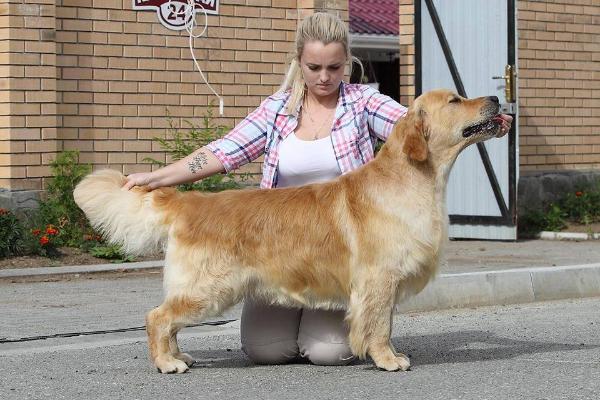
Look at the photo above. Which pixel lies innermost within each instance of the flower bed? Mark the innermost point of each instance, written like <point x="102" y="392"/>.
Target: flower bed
<point x="66" y="256"/>
<point x="577" y="212"/>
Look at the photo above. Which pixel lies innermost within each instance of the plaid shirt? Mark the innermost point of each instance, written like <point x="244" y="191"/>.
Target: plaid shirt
<point x="362" y="115"/>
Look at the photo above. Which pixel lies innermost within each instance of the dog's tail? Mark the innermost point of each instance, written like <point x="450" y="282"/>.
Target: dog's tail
<point x="136" y="219"/>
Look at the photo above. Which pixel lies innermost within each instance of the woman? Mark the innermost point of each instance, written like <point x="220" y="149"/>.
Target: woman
<point x="315" y="128"/>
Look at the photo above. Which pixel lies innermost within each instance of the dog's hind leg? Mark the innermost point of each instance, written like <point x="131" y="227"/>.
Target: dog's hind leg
<point x="185" y="304"/>
<point x="370" y="316"/>
<point x="162" y="325"/>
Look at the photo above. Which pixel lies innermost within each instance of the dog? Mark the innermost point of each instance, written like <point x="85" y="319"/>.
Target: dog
<point x="361" y="242"/>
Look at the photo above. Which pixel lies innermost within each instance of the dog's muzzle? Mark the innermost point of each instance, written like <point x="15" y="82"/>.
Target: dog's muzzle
<point x="491" y="124"/>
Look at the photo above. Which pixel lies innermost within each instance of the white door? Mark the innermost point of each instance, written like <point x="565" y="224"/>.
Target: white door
<point x="466" y="45"/>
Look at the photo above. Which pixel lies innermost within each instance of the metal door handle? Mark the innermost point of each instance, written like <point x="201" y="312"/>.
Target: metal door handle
<point x="509" y="77"/>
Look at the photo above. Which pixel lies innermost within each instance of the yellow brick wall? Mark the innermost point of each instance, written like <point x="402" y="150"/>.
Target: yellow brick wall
<point x="559" y="84"/>
<point x="407" y="51"/>
<point x="96" y="76"/>
<point x="28" y="97"/>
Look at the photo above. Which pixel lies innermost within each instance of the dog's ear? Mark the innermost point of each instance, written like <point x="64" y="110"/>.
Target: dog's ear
<point x="415" y="145"/>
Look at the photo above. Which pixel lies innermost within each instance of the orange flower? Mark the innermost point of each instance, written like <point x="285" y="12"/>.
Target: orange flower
<point x="3" y="211"/>
<point x="36" y="232"/>
<point x="50" y="230"/>
<point x="44" y="240"/>
<point x="578" y="194"/>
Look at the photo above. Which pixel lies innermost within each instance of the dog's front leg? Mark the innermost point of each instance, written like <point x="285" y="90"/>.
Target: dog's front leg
<point x="370" y="317"/>
<point x="177" y="353"/>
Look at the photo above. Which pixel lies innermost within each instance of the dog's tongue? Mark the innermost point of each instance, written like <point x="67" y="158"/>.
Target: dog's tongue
<point x="500" y="121"/>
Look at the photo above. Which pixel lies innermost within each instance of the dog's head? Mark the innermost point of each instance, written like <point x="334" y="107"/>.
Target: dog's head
<point x="441" y="121"/>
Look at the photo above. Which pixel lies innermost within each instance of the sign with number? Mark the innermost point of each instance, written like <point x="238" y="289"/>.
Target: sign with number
<point x="176" y="14"/>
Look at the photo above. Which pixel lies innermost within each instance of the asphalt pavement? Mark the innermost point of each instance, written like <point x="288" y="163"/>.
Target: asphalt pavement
<point x="77" y="332"/>
<point x="548" y="350"/>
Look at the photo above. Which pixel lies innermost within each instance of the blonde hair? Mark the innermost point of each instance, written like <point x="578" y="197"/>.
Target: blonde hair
<point x="325" y="28"/>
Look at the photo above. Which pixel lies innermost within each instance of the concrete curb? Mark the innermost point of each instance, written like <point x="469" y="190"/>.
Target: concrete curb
<point x="79" y="269"/>
<point x="511" y="286"/>
<point x="451" y="290"/>
<point x="548" y="235"/>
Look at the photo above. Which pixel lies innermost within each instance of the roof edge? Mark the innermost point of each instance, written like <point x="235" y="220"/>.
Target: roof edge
<point x="375" y="42"/>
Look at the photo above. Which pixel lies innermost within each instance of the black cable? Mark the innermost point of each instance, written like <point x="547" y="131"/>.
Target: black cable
<point x="89" y="333"/>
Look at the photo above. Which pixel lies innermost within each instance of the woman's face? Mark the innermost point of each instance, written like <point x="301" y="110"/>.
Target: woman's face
<point x="322" y="67"/>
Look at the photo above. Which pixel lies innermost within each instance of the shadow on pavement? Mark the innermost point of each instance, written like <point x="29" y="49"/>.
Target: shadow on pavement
<point x="452" y="347"/>
<point x="473" y="346"/>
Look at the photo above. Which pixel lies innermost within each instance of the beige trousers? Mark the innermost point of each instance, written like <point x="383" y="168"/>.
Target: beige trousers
<point x="277" y="335"/>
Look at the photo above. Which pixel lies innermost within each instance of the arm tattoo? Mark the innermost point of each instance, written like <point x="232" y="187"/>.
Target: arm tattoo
<point x="197" y="162"/>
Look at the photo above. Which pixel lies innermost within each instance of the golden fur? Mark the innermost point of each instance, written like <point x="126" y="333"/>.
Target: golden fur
<point x="361" y="242"/>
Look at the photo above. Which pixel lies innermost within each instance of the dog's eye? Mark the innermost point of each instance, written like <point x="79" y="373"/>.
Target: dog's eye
<point x="454" y="100"/>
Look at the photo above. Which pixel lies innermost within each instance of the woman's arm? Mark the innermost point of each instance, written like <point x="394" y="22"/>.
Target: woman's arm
<point x="383" y="113"/>
<point x="198" y="165"/>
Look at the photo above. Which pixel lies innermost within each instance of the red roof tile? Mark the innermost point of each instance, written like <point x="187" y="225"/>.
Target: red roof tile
<point x="379" y="17"/>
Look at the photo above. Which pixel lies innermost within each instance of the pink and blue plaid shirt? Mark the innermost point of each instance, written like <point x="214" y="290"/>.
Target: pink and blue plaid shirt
<point x="362" y="115"/>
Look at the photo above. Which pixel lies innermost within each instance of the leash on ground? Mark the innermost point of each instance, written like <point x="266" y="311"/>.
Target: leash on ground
<point x="103" y="332"/>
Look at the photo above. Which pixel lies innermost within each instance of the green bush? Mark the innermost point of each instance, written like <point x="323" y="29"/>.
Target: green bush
<point x="12" y="235"/>
<point x="58" y="221"/>
<point x="581" y="206"/>
<point x="58" y="208"/>
<point x="180" y="143"/>
<point x="533" y="222"/>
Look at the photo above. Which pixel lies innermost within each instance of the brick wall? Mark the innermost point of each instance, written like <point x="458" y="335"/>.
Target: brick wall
<point x="96" y="76"/>
<point x="559" y="84"/>
<point x="28" y="96"/>
<point x="407" y="51"/>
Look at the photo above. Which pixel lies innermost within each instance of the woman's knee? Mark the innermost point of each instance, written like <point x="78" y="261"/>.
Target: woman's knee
<point x="281" y="352"/>
<point x="323" y="338"/>
<point x="269" y="333"/>
<point x="325" y="353"/>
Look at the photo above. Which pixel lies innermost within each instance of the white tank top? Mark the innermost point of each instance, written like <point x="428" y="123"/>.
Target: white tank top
<point x="306" y="161"/>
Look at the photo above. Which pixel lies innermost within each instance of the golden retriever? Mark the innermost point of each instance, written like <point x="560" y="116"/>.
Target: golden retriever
<point x="361" y="242"/>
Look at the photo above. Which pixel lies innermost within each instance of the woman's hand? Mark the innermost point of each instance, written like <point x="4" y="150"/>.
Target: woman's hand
<point x="139" y="179"/>
<point x="505" y="124"/>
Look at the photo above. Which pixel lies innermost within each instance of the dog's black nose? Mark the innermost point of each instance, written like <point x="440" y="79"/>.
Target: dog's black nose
<point x="494" y="99"/>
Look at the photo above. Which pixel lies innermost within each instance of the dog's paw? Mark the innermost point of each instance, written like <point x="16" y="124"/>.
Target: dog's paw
<point x="387" y="362"/>
<point x="170" y="365"/>
<point x="393" y="363"/>
<point x="186" y="358"/>
<point x="403" y="361"/>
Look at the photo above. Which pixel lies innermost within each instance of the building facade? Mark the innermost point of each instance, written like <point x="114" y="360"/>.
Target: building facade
<point x="102" y="78"/>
